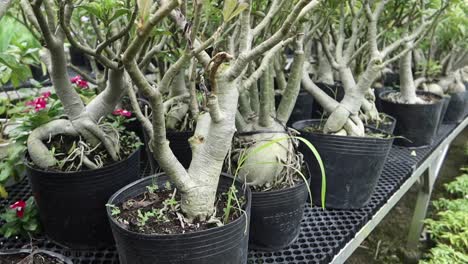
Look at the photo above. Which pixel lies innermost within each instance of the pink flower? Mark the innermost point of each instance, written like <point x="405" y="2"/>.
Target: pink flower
<point x="19" y="207"/>
<point x="75" y="79"/>
<point x="122" y="112"/>
<point x="38" y="103"/>
<point x="79" y="82"/>
<point x="82" y="84"/>
<point x="46" y="94"/>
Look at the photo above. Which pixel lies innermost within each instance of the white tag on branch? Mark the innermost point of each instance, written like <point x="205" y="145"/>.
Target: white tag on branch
<point x="413" y="153"/>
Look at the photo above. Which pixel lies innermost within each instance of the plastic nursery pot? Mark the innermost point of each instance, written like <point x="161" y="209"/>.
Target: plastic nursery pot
<point x="391" y="79"/>
<point x="378" y="101"/>
<point x="388" y="126"/>
<point x="178" y="142"/>
<point x="416" y="123"/>
<point x="456" y="108"/>
<point x="335" y="91"/>
<point x="445" y="104"/>
<point x="276" y="217"/>
<point x="303" y="108"/>
<point x="352" y="164"/>
<point x="55" y="256"/>
<point x="72" y="205"/>
<point x="77" y="58"/>
<point x="226" y="244"/>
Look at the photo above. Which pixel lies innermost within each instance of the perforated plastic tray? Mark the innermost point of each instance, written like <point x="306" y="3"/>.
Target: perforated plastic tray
<point x="323" y="232"/>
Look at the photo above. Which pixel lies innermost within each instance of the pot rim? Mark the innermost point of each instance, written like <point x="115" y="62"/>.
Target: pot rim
<point x="382" y="94"/>
<point x="26" y="163"/>
<point x="248" y="195"/>
<point x="341" y="137"/>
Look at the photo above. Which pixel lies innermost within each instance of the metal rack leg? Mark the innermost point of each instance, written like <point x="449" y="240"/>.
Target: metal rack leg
<point x="424" y="196"/>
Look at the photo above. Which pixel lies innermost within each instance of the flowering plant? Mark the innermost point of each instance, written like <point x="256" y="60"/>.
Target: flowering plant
<point x="79" y="82"/>
<point x="20" y="219"/>
<point x="40" y="102"/>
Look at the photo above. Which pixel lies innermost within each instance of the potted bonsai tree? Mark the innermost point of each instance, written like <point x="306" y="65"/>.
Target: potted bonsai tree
<point x="92" y="156"/>
<point x="186" y="196"/>
<point x="337" y="137"/>
<point x="264" y="153"/>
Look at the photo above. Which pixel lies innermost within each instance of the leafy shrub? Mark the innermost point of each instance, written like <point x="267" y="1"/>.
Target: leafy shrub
<point x="450" y="228"/>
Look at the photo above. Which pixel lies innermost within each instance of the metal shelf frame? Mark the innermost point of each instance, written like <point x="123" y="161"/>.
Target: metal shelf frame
<point x="432" y="165"/>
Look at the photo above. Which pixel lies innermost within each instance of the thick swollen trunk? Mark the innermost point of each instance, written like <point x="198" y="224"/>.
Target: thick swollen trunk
<point x="407" y="87"/>
<point x="210" y="145"/>
<point x="263" y="167"/>
<point x="344" y="119"/>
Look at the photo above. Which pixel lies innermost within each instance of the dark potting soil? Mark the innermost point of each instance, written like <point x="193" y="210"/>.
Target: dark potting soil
<point x="143" y="214"/>
<point x="427" y="98"/>
<point x="38" y="258"/>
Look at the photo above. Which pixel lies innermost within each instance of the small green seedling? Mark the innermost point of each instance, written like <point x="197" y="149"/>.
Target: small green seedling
<point x="168" y="186"/>
<point x="152" y="188"/>
<point x="114" y="209"/>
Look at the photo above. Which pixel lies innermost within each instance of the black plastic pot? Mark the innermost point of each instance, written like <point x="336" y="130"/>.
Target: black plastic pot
<point x="378" y="101"/>
<point x="335" y="91"/>
<point x="445" y="103"/>
<point x="352" y="166"/>
<point x="456" y="108"/>
<point x="303" y="108"/>
<point x="72" y="205"/>
<point x="226" y="244"/>
<point x="276" y="217"/>
<point x="416" y="123"/>
<point x="178" y="141"/>
<point x="388" y="127"/>
<point x="78" y="58"/>
<point x="136" y="127"/>
<point x="391" y="79"/>
<point x="51" y="254"/>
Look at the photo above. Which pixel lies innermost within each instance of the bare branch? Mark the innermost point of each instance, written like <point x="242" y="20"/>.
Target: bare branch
<point x="274" y="9"/>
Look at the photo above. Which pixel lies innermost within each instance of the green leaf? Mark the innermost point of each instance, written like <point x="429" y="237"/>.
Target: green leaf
<point x="93" y="8"/>
<point x="5" y="171"/>
<point x="228" y="9"/>
<point x="241" y="7"/>
<point x="119" y="12"/>
<point x="31" y="226"/>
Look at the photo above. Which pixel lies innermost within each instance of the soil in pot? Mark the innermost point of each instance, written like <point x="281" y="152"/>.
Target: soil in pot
<point x="416" y="123"/>
<point x="71" y="204"/>
<point x="165" y="237"/>
<point x="41" y="257"/>
<point x="352" y="164"/>
<point x="456" y="108"/>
